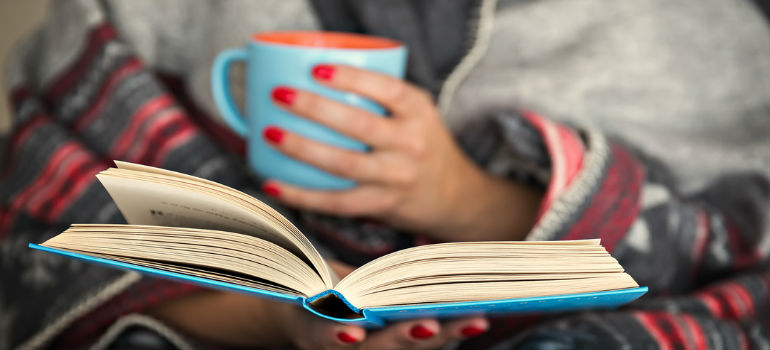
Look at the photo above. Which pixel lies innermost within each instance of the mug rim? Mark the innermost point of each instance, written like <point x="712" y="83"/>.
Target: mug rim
<point x="325" y="40"/>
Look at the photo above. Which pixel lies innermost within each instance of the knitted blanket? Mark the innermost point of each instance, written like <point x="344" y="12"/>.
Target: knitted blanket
<point x="82" y="95"/>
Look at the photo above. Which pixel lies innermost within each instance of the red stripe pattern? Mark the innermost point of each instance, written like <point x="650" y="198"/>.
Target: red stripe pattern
<point x="566" y="151"/>
<point x="97" y="40"/>
<point x="49" y="191"/>
<point x="615" y="206"/>
<point x="116" y="77"/>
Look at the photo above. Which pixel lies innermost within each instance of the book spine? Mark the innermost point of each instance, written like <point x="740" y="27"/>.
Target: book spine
<point x="332" y="305"/>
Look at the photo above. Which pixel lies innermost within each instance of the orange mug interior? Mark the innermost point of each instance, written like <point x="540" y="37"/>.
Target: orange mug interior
<point x="330" y="40"/>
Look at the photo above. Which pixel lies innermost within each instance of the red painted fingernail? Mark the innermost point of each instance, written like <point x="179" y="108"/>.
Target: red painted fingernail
<point x="421" y="332"/>
<point x="323" y="71"/>
<point x="271" y="190"/>
<point x="284" y="95"/>
<point x="346" y="338"/>
<point x="472" y="331"/>
<point x="273" y="134"/>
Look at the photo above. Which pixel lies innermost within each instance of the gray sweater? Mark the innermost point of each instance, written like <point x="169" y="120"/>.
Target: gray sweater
<point x="688" y="81"/>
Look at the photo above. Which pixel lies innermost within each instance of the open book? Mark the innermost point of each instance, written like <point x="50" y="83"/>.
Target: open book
<point x="203" y="232"/>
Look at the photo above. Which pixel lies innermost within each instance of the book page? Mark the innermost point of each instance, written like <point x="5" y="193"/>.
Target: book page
<point x="146" y="203"/>
<point x="477" y="271"/>
<point x="155" y="199"/>
<point x="223" y="256"/>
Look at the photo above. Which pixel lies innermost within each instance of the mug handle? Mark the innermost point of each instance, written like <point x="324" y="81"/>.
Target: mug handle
<point x="220" y="88"/>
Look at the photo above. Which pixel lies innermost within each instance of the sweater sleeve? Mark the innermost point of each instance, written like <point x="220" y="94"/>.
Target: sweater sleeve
<point x="597" y="187"/>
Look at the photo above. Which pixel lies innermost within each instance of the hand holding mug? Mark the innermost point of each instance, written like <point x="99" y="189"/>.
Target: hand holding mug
<point x="286" y="58"/>
<point x="322" y="143"/>
<point x="414" y="177"/>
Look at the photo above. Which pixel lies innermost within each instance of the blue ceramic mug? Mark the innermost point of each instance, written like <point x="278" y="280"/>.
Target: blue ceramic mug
<point x="287" y="58"/>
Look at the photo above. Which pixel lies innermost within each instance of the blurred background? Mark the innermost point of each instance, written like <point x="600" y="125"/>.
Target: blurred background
<point x="17" y="18"/>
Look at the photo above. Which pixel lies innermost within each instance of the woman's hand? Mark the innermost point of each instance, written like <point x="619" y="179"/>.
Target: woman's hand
<point x="415" y="176"/>
<point x="307" y="331"/>
<point x="237" y="320"/>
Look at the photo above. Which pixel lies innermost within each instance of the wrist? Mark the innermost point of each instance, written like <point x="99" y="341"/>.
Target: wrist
<point x="490" y="208"/>
<point x="230" y="319"/>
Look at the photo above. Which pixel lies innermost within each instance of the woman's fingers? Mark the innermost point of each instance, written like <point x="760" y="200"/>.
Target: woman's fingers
<point x="424" y="334"/>
<point x="349" y="164"/>
<point x="308" y="331"/>
<point x="397" y="96"/>
<point x="323" y="334"/>
<point x="414" y="334"/>
<point x="467" y="327"/>
<point x="313" y="332"/>
<point x="417" y="334"/>
<point x="347" y="336"/>
<point x="354" y="165"/>
<point x="357" y="123"/>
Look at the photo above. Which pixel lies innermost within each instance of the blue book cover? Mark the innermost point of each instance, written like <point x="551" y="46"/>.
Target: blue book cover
<point x="377" y="317"/>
